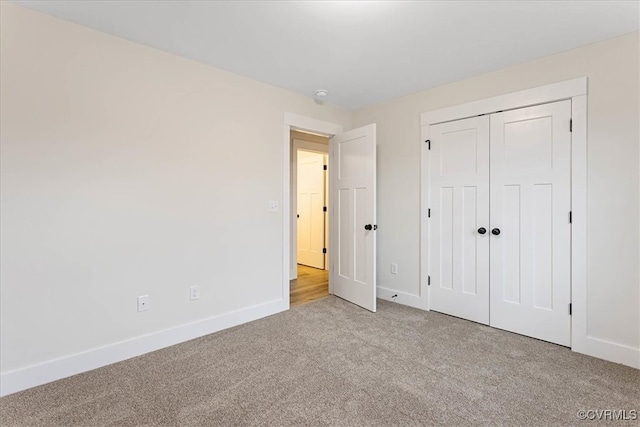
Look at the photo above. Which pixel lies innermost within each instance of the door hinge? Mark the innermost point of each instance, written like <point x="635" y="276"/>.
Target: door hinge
<point x="570" y="125"/>
<point x="428" y="280"/>
<point x="324" y="250"/>
<point x="570" y="217"/>
<point x="324" y="209"/>
<point x="570" y="310"/>
<point x="324" y="167"/>
<point x="428" y="141"/>
<point x="429" y="213"/>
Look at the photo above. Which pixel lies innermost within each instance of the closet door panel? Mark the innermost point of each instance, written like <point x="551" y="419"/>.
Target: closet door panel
<point x="459" y="203"/>
<point x="530" y="204"/>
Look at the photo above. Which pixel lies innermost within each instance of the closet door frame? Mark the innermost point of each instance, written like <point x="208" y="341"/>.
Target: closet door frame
<point x="574" y="90"/>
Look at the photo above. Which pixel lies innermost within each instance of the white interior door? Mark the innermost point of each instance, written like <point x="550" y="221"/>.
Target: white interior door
<point x="459" y="242"/>
<point x="530" y="204"/>
<point x="311" y="214"/>
<point x="353" y="223"/>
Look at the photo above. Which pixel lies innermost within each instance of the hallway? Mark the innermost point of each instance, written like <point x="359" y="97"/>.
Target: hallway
<point x="311" y="284"/>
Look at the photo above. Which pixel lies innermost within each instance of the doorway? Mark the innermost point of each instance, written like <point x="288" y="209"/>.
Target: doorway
<point x="312" y="209"/>
<point x="352" y="200"/>
<point x="515" y="149"/>
<point x="310" y="225"/>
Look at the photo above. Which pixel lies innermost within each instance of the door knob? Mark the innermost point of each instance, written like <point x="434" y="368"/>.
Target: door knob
<point x="482" y="230"/>
<point x="368" y="227"/>
<point x="495" y="231"/>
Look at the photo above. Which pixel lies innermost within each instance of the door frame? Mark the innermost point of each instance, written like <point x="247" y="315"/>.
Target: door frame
<point x="294" y="121"/>
<point x="574" y="90"/>
<point x="313" y="147"/>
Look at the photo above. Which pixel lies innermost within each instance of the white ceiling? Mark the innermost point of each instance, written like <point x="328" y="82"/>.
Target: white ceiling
<point x="362" y="52"/>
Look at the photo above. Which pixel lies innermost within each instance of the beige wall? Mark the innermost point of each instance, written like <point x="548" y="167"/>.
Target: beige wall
<point x="125" y="172"/>
<point x="613" y="174"/>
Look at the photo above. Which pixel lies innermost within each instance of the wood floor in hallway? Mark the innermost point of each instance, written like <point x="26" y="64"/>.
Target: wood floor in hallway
<point x="311" y="284"/>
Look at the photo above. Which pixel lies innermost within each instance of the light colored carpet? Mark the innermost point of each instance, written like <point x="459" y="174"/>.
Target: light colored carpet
<point x="332" y="363"/>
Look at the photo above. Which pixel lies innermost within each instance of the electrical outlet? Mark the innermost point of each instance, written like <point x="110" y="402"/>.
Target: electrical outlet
<point x="144" y="303"/>
<point x="274" y="206"/>
<point x="194" y="292"/>
<point x="394" y="268"/>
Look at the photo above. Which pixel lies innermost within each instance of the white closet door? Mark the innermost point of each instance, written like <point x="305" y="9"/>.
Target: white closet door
<point x="459" y="188"/>
<point x="530" y="204"/>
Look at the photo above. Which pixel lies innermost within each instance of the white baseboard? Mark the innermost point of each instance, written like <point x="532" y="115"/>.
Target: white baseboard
<point x="403" y="298"/>
<point x="31" y="376"/>
<point x="607" y="350"/>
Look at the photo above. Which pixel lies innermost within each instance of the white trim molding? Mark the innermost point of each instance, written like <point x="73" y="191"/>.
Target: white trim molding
<point x="35" y="375"/>
<point x="298" y="122"/>
<point x="525" y="98"/>
<point x="576" y="91"/>
<point x="607" y="350"/>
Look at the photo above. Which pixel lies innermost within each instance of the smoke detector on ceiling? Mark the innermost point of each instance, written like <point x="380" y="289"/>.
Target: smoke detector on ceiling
<point x="321" y="94"/>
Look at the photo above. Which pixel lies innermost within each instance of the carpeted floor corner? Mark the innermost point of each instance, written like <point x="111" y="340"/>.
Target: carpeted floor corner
<point x="330" y="363"/>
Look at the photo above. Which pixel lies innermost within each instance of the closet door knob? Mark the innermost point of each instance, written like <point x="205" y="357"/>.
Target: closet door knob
<point x="482" y="230"/>
<point x="495" y="231"/>
<point x="368" y="227"/>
